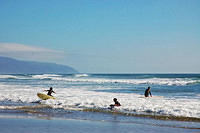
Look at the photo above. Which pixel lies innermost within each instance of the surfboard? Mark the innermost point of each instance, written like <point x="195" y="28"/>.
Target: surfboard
<point x="44" y="96"/>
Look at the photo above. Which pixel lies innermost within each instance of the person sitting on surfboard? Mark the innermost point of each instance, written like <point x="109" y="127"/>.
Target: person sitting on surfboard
<point x="116" y="103"/>
<point x="50" y="91"/>
<point x="147" y="92"/>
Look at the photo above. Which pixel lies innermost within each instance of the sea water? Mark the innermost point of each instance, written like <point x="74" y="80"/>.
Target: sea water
<point x="176" y="95"/>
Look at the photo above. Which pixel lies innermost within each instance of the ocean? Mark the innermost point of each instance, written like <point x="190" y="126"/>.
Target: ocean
<point x="175" y="97"/>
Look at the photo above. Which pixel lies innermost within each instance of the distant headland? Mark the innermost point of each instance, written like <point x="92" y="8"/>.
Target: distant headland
<point x="14" y="66"/>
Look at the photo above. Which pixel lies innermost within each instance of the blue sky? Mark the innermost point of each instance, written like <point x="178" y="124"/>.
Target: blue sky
<point x="104" y="36"/>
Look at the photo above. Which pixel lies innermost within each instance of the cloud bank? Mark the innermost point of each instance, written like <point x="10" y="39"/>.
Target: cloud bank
<point x="28" y="52"/>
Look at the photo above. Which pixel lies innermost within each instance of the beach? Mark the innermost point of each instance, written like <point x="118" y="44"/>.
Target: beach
<point x="48" y="120"/>
<point x="35" y="125"/>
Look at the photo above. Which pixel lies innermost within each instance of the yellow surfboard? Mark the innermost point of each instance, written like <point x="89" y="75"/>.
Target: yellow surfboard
<point x="44" y="96"/>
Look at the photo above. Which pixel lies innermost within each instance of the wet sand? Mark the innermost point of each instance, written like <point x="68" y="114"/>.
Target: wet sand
<point x="35" y="125"/>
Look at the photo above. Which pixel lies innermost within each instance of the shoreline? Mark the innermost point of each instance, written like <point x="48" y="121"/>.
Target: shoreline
<point x="32" y="125"/>
<point x="153" y="116"/>
<point x="93" y="116"/>
<point x="37" y="109"/>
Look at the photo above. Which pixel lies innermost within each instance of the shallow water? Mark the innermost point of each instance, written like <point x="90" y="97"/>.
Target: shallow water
<point x="23" y="125"/>
<point x="45" y="112"/>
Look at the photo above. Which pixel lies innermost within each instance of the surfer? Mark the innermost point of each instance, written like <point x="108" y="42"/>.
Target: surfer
<point x="50" y="91"/>
<point x="147" y="92"/>
<point x="116" y="104"/>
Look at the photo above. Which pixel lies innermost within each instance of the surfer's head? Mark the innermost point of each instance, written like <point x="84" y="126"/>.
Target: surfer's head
<point x="51" y="88"/>
<point x="149" y="88"/>
<point x="115" y="99"/>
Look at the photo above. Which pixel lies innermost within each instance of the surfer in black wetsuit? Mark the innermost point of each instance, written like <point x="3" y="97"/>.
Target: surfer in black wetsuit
<point x="147" y="92"/>
<point x="50" y="91"/>
<point x="116" y="104"/>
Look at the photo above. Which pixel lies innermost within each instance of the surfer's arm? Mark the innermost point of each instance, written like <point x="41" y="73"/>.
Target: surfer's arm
<point x="150" y="94"/>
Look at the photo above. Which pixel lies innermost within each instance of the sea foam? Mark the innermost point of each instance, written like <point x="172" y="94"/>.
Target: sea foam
<point x="82" y="98"/>
<point x="89" y="79"/>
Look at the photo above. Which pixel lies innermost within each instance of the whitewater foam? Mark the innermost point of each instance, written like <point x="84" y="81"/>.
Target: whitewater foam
<point x="45" y="76"/>
<point x="8" y="76"/>
<point x="90" y="79"/>
<point x="81" y="75"/>
<point x="159" y="81"/>
<point x="68" y="98"/>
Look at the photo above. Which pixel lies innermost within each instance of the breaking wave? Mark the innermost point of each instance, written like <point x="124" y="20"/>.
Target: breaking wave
<point x="104" y="79"/>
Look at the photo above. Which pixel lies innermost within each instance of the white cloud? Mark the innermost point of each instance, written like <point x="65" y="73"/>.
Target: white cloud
<point x="14" y="47"/>
<point x="29" y="52"/>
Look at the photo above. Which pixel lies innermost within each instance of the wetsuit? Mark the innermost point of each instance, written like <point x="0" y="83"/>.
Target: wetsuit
<point x="147" y="92"/>
<point x="113" y="105"/>
<point x="117" y="103"/>
<point x="49" y="92"/>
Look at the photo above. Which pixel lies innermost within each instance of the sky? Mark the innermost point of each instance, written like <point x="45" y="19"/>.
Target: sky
<point x="104" y="36"/>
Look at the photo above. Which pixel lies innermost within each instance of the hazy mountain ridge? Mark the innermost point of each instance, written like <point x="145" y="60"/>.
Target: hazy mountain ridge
<point x="14" y="66"/>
